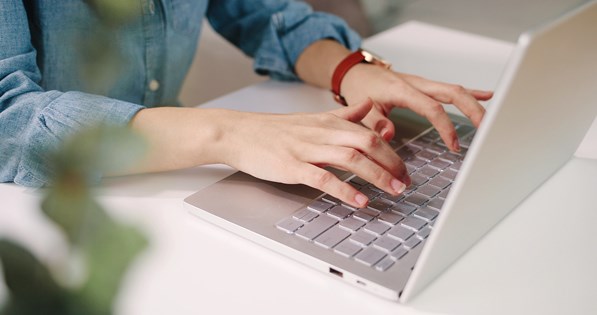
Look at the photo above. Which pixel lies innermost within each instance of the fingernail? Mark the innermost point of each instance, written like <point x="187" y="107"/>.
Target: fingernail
<point x="406" y="180"/>
<point x="398" y="186"/>
<point x="456" y="144"/>
<point x="361" y="200"/>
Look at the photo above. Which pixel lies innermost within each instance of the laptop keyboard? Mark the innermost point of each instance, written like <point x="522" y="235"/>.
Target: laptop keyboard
<point x="391" y="226"/>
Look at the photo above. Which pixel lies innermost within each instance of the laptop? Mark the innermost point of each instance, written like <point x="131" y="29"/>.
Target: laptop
<point x="542" y="108"/>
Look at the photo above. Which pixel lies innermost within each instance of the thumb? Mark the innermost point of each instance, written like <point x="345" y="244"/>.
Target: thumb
<point x="355" y="113"/>
<point x="378" y="122"/>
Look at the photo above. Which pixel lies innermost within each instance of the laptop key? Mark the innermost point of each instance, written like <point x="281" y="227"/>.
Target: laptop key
<point x="398" y="253"/>
<point x="412" y="243"/>
<point x="436" y="203"/>
<point x="439" y="164"/>
<point x="363" y="216"/>
<point x="424" y="232"/>
<point x="426" y="155"/>
<point x="314" y="228"/>
<point x="384" y="264"/>
<point x="380" y="204"/>
<point x="319" y="206"/>
<point x="289" y="225"/>
<point x="363" y="237"/>
<point x="351" y="224"/>
<point x="440" y="182"/>
<point x="418" y="179"/>
<point x="428" y="190"/>
<point x="416" y="163"/>
<point x="416" y="199"/>
<point x="370" y="193"/>
<point x="392" y="199"/>
<point x="444" y="193"/>
<point x="413" y="223"/>
<point x="428" y="171"/>
<point x="369" y="256"/>
<point x="401" y="233"/>
<point x="449" y="174"/>
<point x="403" y="208"/>
<point x="339" y="212"/>
<point x="450" y="157"/>
<point x="330" y="199"/>
<point x="331" y="237"/>
<point x="304" y="215"/>
<point x="386" y="243"/>
<point x="426" y="214"/>
<point x="347" y="248"/>
<point x="376" y="227"/>
<point x="456" y="166"/>
<point x="390" y="218"/>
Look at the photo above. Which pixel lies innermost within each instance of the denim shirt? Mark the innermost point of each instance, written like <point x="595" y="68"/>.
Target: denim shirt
<point x="44" y="98"/>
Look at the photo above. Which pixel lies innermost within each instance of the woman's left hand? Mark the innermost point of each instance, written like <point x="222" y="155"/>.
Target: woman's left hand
<point x="389" y="89"/>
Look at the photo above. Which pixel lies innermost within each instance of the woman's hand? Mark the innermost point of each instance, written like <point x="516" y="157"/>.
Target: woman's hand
<point x="290" y="148"/>
<point x="390" y="89"/>
<point x="293" y="149"/>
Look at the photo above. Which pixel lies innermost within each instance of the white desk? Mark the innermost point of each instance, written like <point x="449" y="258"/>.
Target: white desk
<point x="533" y="262"/>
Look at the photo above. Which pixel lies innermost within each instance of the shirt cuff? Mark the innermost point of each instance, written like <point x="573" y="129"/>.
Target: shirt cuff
<point x="295" y="32"/>
<point x="62" y="118"/>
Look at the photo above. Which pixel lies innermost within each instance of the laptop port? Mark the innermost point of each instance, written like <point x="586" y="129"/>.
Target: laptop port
<point x="336" y="272"/>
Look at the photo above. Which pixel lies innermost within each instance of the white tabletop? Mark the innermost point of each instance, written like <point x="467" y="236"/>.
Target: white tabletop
<point x="536" y="261"/>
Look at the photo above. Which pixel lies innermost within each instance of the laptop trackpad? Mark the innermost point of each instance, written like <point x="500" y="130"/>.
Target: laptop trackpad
<point x="243" y="196"/>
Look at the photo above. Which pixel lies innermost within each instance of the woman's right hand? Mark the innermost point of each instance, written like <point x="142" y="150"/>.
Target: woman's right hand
<point x="294" y="148"/>
<point x="290" y="148"/>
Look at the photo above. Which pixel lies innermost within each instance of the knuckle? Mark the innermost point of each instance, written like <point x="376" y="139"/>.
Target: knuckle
<point x="435" y="110"/>
<point x="458" y="89"/>
<point x="352" y="156"/>
<point x="371" y="140"/>
<point x="323" y="179"/>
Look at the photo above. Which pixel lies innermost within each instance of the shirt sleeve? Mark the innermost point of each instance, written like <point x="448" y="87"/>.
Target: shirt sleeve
<point x="275" y="32"/>
<point x="33" y="122"/>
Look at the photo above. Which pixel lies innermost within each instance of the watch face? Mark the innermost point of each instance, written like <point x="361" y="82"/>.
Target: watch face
<point x="373" y="59"/>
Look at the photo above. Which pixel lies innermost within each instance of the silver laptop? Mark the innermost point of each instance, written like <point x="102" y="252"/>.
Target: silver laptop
<point x="541" y="110"/>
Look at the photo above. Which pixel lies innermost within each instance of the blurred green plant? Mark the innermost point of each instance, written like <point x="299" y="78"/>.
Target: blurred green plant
<point x="104" y="247"/>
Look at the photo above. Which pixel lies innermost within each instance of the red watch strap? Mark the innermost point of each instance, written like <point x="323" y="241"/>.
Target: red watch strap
<point x="343" y="67"/>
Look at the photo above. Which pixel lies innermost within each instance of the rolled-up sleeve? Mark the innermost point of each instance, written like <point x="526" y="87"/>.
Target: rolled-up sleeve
<point x="33" y="122"/>
<point x="275" y="32"/>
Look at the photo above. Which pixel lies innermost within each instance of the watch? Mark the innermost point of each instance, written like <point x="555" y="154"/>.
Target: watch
<point x="359" y="56"/>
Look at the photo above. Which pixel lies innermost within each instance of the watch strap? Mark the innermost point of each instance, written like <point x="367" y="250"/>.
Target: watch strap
<point x="341" y="70"/>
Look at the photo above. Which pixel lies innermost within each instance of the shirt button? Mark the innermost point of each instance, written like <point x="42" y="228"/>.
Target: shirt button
<point x="151" y="7"/>
<point x="154" y="85"/>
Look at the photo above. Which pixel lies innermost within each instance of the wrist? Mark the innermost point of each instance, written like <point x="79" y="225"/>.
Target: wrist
<point x="354" y="60"/>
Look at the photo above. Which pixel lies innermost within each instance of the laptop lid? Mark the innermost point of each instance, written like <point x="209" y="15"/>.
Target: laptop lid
<point x="543" y="106"/>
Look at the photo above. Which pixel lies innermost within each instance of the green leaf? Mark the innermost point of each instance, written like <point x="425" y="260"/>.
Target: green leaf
<point x="109" y="253"/>
<point x="31" y="287"/>
<point x="99" y="150"/>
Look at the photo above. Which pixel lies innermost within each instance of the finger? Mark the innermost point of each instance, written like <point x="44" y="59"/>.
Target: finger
<point x="370" y="144"/>
<point x="451" y="94"/>
<point x="481" y="95"/>
<point x="328" y="183"/>
<point x="357" y="163"/>
<point x="377" y="121"/>
<point x="437" y="116"/>
<point x="355" y="113"/>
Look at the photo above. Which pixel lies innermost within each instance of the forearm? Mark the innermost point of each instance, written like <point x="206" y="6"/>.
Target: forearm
<point x="180" y="137"/>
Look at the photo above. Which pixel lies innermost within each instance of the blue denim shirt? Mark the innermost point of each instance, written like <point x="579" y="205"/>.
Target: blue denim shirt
<point x="44" y="98"/>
